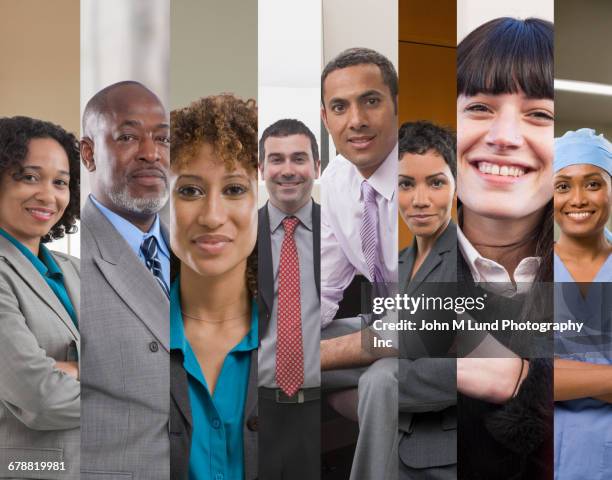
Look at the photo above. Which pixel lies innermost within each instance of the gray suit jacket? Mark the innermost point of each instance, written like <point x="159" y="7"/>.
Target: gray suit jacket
<point x="428" y="386"/>
<point x="39" y="405"/>
<point x="125" y="363"/>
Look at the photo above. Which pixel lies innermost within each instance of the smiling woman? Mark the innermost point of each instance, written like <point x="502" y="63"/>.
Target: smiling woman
<point x="213" y="314"/>
<point x="39" y="297"/>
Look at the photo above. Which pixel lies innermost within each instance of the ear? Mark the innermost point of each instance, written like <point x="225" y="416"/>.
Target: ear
<point x="87" y="153"/>
<point x="261" y="168"/>
<point x="317" y="166"/>
<point x="324" y="117"/>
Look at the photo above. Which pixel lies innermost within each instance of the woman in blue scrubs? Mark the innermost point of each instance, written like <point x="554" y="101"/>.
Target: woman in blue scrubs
<point x="39" y="299"/>
<point x="213" y="324"/>
<point x="583" y="363"/>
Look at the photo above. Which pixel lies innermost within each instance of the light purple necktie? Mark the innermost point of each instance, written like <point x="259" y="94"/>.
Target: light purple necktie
<point x="369" y="232"/>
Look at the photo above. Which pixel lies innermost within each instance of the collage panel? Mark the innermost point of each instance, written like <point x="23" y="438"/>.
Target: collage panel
<point x="505" y="123"/>
<point x="288" y="240"/>
<point x="125" y="243"/>
<point x="40" y="391"/>
<point x="426" y="186"/>
<point x="214" y="324"/>
<point x="582" y="254"/>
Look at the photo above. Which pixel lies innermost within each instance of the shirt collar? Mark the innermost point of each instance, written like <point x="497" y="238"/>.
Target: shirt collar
<point x="178" y="341"/>
<point x="384" y="179"/>
<point x="131" y="233"/>
<point x="304" y="215"/>
<point x="44" y="263"/>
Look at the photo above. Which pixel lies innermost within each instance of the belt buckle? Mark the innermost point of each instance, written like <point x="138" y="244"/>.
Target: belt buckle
<point x="282" y="397"/>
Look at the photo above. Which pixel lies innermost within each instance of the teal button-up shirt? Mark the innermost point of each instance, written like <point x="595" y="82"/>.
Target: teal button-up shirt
<point x="48" y="268"/>
<point x="217" y="449"/>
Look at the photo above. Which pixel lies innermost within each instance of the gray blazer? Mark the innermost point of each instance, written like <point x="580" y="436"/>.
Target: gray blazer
<point x="125" y="363"/>
<point x="428" y="386"/>
<point x="39" y="405"/>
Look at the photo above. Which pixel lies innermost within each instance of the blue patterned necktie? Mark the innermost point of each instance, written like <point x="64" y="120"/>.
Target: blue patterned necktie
<point x="150" y="252"/>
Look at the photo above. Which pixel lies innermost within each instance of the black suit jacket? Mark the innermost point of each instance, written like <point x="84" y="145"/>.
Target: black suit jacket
<point x="427" y="386"/>
<point x="265" y="274"/>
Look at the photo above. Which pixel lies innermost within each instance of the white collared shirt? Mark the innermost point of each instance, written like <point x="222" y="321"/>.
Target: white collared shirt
<point x="494" y="275"/>
<point x="341" y="211"/>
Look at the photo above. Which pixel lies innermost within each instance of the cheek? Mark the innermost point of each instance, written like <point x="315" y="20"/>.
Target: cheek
<point x="443" y="200"/>
<point x="182" y="215"/>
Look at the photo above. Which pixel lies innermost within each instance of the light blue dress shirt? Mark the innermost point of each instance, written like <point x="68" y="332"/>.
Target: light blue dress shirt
<point x="134" y="237"/>
<point x="49" y="270"/>
<point x="217" y="449"/>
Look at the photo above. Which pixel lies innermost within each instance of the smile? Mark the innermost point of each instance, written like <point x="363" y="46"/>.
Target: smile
<point x="579" y="215"/>
<point x="502" y="171"/>
<point x="361" y="142"/>
<point x="41" y="214"/>
<point x="212" y="244"/>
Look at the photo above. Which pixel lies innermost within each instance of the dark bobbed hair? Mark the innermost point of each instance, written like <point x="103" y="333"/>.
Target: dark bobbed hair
<point x="363" y="56"/>
<point x="285" y="128"/>
<point x="505" y="55"/>
<point x="420" y="137"/>
<point x="15" y="136"/>
<point x="229" y="124"/>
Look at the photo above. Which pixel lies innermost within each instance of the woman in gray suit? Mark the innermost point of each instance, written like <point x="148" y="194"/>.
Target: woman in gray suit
<point x="39" y="300"/>
<point x="213" y="314"/>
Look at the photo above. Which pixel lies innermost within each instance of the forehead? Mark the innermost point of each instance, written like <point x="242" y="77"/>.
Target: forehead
<point x="134" y="105"/>
<point x="287" y="145"/>
<point x="46" y="152"/>
<point x="350" y="82"/>
<point x="582" y="170"/>
<point x="415" y="165"/>
<point x="207" y="164"/>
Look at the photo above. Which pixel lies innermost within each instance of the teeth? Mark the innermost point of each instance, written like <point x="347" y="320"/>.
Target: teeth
<point x="579" y="215"/>
<point x="503" y="171"/>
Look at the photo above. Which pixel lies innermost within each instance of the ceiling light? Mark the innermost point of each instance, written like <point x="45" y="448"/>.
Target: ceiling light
<point x="583" y="87"/>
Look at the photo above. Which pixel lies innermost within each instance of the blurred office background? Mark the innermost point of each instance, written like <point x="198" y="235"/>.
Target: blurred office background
<point x="40" y="69"/>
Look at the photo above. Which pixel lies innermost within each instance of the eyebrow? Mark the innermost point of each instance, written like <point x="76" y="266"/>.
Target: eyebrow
<point x="136" y="123"/>
<point x="200" y="178"/>
<point x="292" y="154"/>
<point x="428" y="177"/>
<point x="361" y="96"/>
<point x="568" y="177"/>
<point x="39" y="168"/>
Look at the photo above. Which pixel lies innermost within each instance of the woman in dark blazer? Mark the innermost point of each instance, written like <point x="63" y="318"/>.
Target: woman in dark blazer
<point x="427" y="386"/>
<point x="213" y="313"/>
<point x="39" y="300"/>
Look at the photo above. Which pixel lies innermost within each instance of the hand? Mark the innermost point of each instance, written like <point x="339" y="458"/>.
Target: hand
<point x="71" y="368"/>
<point x="493" y="380"/>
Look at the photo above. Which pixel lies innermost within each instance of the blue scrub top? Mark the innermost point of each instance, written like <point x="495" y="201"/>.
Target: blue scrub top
<point x="48" y="268"/>
<point x="562" y="274"/>
<point x="583" y="427"/>
<point x="217" y="449"/>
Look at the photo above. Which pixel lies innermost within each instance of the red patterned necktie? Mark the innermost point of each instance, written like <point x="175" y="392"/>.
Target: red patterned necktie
<point x="289" y="351"/>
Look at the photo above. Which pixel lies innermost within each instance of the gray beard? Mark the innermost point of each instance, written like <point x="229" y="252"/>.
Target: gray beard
<point x="145" y="206"/>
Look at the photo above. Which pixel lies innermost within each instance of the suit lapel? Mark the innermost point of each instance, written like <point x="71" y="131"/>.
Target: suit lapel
<point x="265" y="274"/>
<point x="127" y="275"/>
<point x="316" y="243"/>
<point x="28" y="273"/>
<point x="72" y="282"/>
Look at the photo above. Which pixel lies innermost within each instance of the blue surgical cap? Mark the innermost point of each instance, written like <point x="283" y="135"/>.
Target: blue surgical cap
<point x="583" y="146"/>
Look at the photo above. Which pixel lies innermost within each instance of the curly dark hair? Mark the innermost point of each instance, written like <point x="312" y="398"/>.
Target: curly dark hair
<point x="420" y="137"/>
<point x="227" y="123"/>
<point x="15" y="136"/>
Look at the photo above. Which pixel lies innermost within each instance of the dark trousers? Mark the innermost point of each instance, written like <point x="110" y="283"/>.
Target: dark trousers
<point x="289" y="440"/>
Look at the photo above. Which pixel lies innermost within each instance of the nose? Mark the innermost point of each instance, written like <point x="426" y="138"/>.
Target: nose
<point x="149" y="149"/>
<point x="45" y="193"/>
<point x="357" y="118"/>
<point x="420" y="198"/>
<point x="505" y="131"/>
<point x="213" y="213"/>
<point x="578" y="198"/>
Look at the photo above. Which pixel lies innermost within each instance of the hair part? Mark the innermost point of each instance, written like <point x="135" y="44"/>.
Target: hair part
<point x="422" y="136"/>
<point x="15" y="136"/>
<point x="507" y="55"/>
<point x="363" y="56"/>
<point x="285" y="128"/>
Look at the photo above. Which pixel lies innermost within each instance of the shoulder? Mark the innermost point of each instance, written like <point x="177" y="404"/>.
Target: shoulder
<point x="336" y="169"/>
<point x="405" y="254"/>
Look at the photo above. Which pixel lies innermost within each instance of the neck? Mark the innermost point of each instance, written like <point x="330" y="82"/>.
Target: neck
<point x="425" y="244"/>
<point x="505" y="241"/>
<point x="219" y="299"/>
<point x="32" y="244"/>
<point x="142" y="221"/>
<point x="582" y="247"/>
<point x="289" y="209"/>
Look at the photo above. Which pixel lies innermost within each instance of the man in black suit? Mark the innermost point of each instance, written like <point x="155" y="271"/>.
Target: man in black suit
<point x="289" y="304"/>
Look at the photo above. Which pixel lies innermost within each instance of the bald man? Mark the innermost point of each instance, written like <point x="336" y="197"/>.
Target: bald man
<point x="124" y="292"/>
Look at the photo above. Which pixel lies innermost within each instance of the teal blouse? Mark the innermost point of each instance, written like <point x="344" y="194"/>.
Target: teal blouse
<point x="48" y="268"/>
<point x="217" y="449"/>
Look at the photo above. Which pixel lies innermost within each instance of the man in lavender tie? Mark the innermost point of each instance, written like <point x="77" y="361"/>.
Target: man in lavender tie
<point x="359" y="237"/>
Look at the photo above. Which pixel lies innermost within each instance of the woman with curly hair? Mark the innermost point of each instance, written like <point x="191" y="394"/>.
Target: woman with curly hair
<point x="39" y="299"/>
<point x="213" y="314"/>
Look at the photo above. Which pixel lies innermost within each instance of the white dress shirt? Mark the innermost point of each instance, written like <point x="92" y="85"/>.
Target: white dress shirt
<point x="494" y="275"/>
<point x="341" y="211"/>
